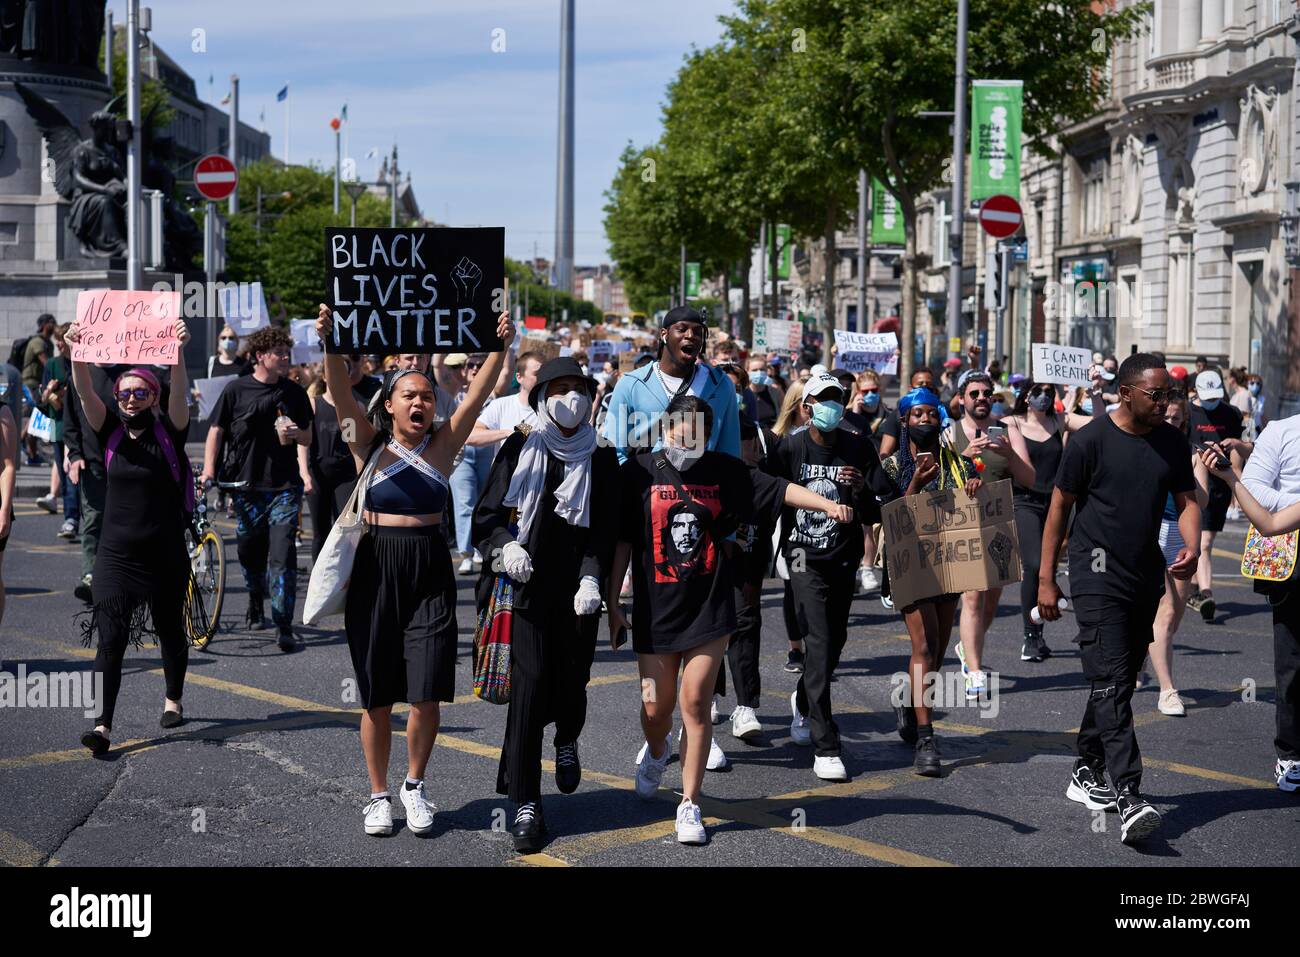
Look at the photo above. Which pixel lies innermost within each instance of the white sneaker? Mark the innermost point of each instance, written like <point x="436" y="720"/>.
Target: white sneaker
<point x="744" y="723"/>
<point x="830" y="768"/>
<point x="668" y="743"/>
<point x="379" y="816"/>
<point x="1287" y="774"/>
<point x="799" y="730"/>
<point x="419" y="813"/>
<point x="961" y="656"/>
<point x="714" y="715"/>
<point x="466" y="566"/>
<point x="690" y="826"/>
<point x="717" y="761"/>
<point x="977" y="683"/>
<point x="47" y="502"/>
<point x="650" y="771"/>
<point x="1171" y="704"/>
<point x="869" y="578"/>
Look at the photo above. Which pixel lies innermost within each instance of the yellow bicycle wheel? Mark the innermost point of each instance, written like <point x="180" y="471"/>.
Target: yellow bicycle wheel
<point x="207" y="587"/>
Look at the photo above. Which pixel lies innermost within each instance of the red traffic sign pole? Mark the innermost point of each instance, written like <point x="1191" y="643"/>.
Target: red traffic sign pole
<point x="215" y="177"/>
<point x="1001" y="216"/>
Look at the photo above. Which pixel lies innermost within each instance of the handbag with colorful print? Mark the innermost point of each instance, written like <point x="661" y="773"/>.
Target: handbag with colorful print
<point x="1270" y="559"/>
<point x="492" y="643"/>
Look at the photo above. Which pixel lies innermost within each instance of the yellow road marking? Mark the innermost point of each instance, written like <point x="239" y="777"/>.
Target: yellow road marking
<point x="1207" y="773"/>
<point x="880" y="852"/>
<point x="39" y="594"/>
<point x="16" y="852"/>
<point x="539" y="860"/>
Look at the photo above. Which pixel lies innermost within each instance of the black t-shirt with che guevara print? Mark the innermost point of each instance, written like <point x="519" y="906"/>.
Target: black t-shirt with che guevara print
<point x="681" y="574"/>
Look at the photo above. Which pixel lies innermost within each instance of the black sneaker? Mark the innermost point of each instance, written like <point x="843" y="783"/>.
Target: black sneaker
<point x="568" y="769"/>
<point x="254" y="620"/>
<point x="529" y="828"/>
<point x="794" y="662"/>
<point x="906" y="717"/>
<point x="1138" y="819"/>
<point x="1088" y="786"/>
<point x="1034" y="648"/>
<point x="1207" y="607"/>
<point x="286" y="640"/>
<point x="927" y="757"/>
<point x="82" y="591"/>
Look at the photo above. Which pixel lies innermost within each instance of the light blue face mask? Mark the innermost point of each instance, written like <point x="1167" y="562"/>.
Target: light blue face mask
<point x="871" y="401"/>
<point x="1210" y="404"/>
<point x="1254" y="389"/>
<point x="999" y="409"/>
<point x="827" y="415"/>
<point x="760" y="378"/>
<point x="1086" y="406"/>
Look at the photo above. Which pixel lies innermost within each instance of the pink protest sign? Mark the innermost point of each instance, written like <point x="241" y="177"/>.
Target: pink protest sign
<point x="132" y="326"/>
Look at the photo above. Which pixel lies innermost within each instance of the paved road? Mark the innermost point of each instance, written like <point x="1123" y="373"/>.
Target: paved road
<point x="268" y="768"/>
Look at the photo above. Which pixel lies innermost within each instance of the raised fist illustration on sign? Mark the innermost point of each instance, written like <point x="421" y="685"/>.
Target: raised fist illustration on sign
<point x="466" y="275"/>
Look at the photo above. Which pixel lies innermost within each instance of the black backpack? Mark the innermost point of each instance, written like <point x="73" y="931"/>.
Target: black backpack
<point x="17" y="353"/>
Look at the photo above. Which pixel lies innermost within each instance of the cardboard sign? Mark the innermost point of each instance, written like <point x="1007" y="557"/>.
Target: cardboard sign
<point x="243" y="306"/>
<point x="860" y="351"/>
<point x="415" y="290"/>
<point x="777" y="335"/>
<point x="1063" y="365"/>
<point x="544" y="347"/>
<point x="210" y="391"/>
<point x="131" y="326"/>
<point x="306" y="344"/>
<point x="627" y="360"/>
<point x="946" y="542"/>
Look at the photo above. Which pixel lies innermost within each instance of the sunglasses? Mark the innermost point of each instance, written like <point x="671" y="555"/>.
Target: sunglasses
<point x="1043" y="390"/>
<point x="1160" y="395"/>
<point x="980" y="394"/>
<point x="869" y="391"/>
<point x="473" y="365"/>
<point x="140" y="395"/>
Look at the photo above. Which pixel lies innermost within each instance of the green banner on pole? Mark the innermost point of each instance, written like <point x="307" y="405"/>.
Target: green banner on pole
<point x="995" y="138"/>
<point x="886" y="217"/>
<point x="784" y="251"/>
<point x="692" y="280"/>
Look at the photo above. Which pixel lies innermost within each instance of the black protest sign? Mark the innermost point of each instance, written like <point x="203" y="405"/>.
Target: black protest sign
<point x="947" y="542"/>
<point x="415" y="290"/>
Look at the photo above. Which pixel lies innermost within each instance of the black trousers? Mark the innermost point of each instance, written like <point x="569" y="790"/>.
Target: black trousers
<point x="1286" y="670"/>
<point x="165" y="608"/>
<point x="796" y="625"/>
<point x="550" y="665"/>
<point x="742" y="652"/>
<point x="1114" y="636"/>
<point x="822" y="597"/>
<point x="1031" y="518"/>
<point x="325" y="502"/>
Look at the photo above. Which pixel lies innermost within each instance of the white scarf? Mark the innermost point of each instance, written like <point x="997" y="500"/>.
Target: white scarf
<point x="528" y="484"/>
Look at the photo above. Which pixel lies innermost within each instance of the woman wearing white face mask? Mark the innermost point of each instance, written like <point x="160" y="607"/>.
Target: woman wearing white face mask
<point x="547" y="517"/>
<point x="227" y="360"/>
<point x="678" y="507"/>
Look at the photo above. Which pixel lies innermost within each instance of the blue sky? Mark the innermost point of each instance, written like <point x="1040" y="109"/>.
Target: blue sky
<point x="475" y="128"/>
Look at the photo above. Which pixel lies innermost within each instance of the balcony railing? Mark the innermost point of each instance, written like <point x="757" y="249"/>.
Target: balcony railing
<point x="1175" y="72"/>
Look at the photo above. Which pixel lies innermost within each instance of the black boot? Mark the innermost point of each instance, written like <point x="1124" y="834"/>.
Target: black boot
<point x="529" y="828"/>
<point x="253" y="618"/>
<point x="927" y="757"/>
<point x="568" y="769"/>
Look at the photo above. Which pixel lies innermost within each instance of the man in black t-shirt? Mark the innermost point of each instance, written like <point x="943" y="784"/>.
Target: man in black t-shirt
<point x="263" y="419"/>
<point x="1211" y="419"/>
<point x="1116" y="473"/>
<point x="823" y="556"/>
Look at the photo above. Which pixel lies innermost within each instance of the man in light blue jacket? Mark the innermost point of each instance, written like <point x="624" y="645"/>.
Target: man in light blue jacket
<point x="642" y="395"/>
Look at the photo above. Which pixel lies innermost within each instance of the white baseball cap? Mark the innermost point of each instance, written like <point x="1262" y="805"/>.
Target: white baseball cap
<point x="1209" y="385"/>
<point x="820" y="382"/>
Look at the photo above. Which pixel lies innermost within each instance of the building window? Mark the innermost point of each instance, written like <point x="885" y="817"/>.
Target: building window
<point x="1092" y="204"/>
<point x="1182" y="284"/>
<point x="1038" y="231"/>
<point x="942" y="223"/>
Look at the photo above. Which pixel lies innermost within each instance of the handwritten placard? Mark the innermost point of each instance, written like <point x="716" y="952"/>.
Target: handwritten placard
<point x="860" y="351"/>
<point x="777" y="335"/>
<point x="1063" y="365"/>
<point x="415" y="290"/>
<point x="306" y="344"/>
<point x="209" y="391"/>
<point x="130" y="326"/>
<point x="543" y="347"/>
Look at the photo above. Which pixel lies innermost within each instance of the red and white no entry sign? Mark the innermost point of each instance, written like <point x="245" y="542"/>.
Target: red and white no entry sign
<point x="1000" y="216"/>
<point x="215" y="176"/>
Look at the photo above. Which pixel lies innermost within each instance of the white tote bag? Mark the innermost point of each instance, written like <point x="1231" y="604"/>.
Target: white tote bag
<point x="327" y="592"/>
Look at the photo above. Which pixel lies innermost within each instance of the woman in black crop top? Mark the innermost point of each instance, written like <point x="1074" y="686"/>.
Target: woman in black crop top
<point x="400" y="615"/>
<point x="141" y="564"/>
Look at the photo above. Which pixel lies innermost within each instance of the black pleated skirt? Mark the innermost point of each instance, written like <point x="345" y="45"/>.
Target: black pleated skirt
<point x="401" y="616"/>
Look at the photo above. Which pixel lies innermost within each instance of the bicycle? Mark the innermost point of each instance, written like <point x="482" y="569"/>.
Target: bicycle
<point x="207" y="587"/>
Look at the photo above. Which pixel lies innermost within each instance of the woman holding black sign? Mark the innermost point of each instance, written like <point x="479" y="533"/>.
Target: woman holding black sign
<point x="922" y="464"/>
<point x="401" y="604"/>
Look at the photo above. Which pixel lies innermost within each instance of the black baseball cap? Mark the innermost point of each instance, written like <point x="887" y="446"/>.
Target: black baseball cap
<point x="684" y="314"/>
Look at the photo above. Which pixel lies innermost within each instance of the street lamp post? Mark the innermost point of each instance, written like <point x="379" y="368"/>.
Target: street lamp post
<point x="338" y="160"/>
<point x="134" y="270"/>
<point x="355" y="189"/>
<point x="958" y="224"/>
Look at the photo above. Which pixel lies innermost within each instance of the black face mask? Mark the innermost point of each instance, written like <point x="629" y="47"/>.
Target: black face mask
<point x="925" y="436"/>
<point x="137" y="421"/>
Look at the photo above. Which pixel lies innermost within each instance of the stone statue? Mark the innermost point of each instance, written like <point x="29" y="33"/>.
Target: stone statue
<point x="89" y="172"/>
<point x="57" y="32"/>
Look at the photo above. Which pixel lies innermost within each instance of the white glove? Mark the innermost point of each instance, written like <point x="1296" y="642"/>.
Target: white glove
<point x="517" y="563"/>
<point x="587" y="600"/>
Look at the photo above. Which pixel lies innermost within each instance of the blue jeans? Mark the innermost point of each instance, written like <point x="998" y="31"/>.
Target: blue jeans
<point x="71" y="500"/>
<point x="467" y="483"/>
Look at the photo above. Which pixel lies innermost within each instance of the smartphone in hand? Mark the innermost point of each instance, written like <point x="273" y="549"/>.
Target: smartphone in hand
<point x="997" y="432"/>
<point x="923" y="459"/>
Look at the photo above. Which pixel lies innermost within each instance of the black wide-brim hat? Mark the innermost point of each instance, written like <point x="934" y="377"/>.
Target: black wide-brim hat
<point x="561" y="368"/>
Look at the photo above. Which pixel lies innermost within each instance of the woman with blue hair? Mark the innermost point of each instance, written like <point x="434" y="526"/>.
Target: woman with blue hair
<point x="922" y="464"/>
